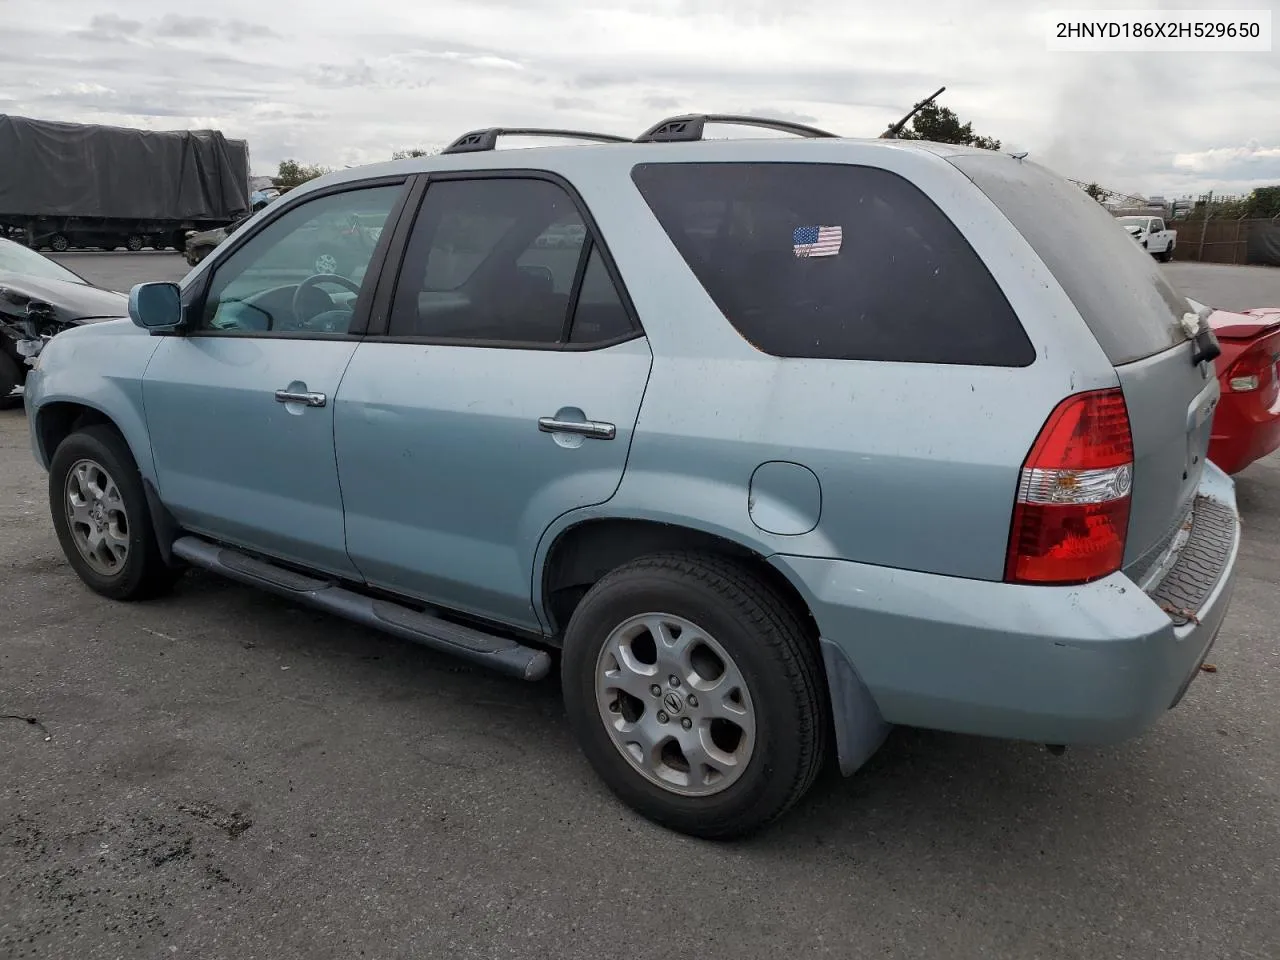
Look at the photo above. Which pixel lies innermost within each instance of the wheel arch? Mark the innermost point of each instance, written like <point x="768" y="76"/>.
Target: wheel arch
<point x="584" y="551"/>
<point x="55" y="420"/>
<point x="59" y="419"/>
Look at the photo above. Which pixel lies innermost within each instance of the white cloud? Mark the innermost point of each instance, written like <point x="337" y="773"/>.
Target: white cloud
<point x="338" y="83"/>
<point x="1219" y="158"/>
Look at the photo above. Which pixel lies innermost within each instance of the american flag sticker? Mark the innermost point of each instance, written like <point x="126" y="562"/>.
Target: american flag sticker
<point x="817" y="241"/>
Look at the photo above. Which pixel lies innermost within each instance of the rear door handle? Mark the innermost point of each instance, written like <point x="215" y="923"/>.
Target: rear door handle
<point x="301" y="396"/>
<point x="594" y="429"/>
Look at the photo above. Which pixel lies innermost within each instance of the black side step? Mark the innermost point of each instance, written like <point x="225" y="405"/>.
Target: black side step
<point x="475" y="646"/>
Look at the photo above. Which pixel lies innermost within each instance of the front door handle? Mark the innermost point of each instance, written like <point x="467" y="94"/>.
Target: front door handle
<point x="594" y="429"/>
<point x="301" y="396"/>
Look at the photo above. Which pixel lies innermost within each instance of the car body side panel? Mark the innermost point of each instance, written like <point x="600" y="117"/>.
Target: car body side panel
<point x="100" y="366"/>
<point x="233" y="462"/>
<point x="447" y="481"/>
<point x="917" y="463"/>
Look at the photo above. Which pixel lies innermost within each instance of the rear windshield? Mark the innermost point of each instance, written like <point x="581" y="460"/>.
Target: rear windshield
<point x="834" y="261"/>
<point x="1119" y="289"/>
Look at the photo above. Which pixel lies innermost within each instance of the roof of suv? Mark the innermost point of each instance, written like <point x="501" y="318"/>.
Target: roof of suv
<point x="628" y="152"/>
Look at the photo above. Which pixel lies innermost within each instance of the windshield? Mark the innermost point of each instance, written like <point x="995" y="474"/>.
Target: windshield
<point x="15" y="258"/>
<point x="1132" y="221"/>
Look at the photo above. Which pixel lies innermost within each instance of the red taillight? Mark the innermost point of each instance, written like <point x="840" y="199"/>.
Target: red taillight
<point x="1072" y="509"/>
<point x="1256" y="369"/>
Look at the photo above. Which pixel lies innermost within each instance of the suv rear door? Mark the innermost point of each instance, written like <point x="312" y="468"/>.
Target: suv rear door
<point x="500" y="392"/>
<point x="1135" y="315"/>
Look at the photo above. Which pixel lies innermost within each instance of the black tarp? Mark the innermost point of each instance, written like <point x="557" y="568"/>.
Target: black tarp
<point x="1264" y="243"/>
<point x="81" y="170"/>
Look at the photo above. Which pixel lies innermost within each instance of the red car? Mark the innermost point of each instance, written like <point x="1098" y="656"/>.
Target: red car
<point x="1246" y="426"/>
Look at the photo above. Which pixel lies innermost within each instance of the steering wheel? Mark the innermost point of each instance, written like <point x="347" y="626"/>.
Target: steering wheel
<point x="312" y="283"/>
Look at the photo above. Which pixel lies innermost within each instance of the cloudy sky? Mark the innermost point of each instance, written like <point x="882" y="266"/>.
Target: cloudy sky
<point x="348" y="82"/>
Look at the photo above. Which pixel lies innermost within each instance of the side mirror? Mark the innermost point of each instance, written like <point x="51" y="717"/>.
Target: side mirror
<point x="156" y="306"/>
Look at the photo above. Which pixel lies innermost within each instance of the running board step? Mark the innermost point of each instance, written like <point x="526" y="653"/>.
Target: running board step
<point x="475" y="646"/>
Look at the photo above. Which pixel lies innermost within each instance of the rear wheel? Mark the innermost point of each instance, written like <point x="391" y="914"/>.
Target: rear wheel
<point x="101" y="518"/>
<point x="134" y="242"/>
<point x="1167" y="255"/>
<point x="696" y="694"/>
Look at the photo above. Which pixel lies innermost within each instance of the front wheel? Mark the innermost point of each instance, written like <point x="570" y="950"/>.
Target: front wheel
<point x="59" y="243"/>
<point x="101" y="518"/>
<point x="696" y="693"/>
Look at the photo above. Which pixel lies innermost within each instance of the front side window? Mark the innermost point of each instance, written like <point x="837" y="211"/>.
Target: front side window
<point x="834" y="261"/>
<point x="495" y="260"/>
<point x="303" y="271"/>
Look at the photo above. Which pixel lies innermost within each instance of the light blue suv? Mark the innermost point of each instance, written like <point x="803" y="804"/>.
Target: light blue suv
<point x="772" y="443"/>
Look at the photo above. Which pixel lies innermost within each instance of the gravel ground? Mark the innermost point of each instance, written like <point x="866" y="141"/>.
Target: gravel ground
<point x="220" y="774"/>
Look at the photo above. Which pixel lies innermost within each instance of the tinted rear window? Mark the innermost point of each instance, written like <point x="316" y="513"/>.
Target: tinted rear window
<point x="1119" y="289"/>
<point x="834" y="261"/>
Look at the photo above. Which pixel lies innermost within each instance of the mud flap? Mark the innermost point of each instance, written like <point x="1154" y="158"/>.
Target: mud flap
<point x="860" y="729"/>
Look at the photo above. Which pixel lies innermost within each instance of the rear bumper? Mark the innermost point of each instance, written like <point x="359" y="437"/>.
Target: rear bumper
<point x="1090" y="664"/>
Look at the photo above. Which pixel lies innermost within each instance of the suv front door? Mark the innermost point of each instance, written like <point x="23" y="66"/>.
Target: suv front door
<point x="503" y="394"/>
<point x="240" y="405"/>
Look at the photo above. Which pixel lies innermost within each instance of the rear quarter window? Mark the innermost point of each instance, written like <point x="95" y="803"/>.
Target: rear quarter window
<point x="1118" y="288"/>
<point x="834" y="261"/>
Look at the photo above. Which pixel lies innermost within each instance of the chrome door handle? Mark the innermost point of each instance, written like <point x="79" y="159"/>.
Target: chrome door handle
<point x="587" y="428"/>
<point x="303" y="397"/>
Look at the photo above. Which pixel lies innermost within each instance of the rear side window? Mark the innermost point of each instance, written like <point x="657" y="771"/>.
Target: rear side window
<point x="834" y="261"/>
<point x="1120" y="291"/>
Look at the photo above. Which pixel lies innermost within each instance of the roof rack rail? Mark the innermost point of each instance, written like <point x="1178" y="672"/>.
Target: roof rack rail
<point x="478" y="141"/>
<point x="689" y="128"/>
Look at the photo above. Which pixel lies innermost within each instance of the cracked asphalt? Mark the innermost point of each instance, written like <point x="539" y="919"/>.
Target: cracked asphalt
<point x="220" y="774"/>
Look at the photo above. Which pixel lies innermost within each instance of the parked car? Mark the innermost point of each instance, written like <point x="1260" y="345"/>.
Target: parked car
<point x="39" y="298"/>
<point x="1152" y="235"/>
<point x="1246" y="426"/>
<point x="812" y="439"/>
<point x="200" y="245"/>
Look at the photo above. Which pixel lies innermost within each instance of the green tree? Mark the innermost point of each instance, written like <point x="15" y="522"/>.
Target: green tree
<point x="1263" y="203"/>
<point x="291" y="173"/>
<point x="412" y="152"/>
<point x="941" y="125"/>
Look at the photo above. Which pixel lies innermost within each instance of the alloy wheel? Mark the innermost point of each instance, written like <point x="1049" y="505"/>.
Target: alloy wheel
<point x="97" y="517"/>
<point x="675" y="704"/>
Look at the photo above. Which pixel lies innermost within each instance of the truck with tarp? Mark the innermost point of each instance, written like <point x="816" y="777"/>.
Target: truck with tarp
<point x="65" y="185"/>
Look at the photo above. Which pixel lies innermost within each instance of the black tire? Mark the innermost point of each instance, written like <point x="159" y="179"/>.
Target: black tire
<point x="10" y="376"/>
<point x="775" y="654"/>
<point x="1167" y="255"/>
<point x="143" y="574"/>
<point x="58" y="243"/>
<point x="134" y="243"/>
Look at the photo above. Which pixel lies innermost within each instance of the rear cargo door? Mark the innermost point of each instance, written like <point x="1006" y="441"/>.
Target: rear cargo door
<point x="1136" y="316"/>
<point x="1171" y="403"/>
